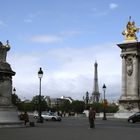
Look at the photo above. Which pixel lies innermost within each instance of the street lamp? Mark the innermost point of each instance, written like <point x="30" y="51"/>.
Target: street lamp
<point x="40" y="75"/>
<point x="104" y="113"/>
<point x="87" y="99"/>
<point x="14" y="91"/>
<point x="13" y="99"/>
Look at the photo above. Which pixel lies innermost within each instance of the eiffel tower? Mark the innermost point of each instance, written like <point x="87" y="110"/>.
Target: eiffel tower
<point x="95" y="94"/>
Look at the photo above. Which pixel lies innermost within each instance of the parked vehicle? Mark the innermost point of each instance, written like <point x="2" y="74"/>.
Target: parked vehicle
<point x="134" y="118"/>
<point x="48" y="116"/>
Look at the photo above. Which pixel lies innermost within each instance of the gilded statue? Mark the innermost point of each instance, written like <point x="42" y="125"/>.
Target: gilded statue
<point x="130" y="31"/>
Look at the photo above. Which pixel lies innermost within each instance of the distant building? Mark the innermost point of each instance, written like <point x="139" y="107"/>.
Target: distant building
<point x="67" y="98"/>
<point x="48" y="100"/>
<point x="55" y="102"/>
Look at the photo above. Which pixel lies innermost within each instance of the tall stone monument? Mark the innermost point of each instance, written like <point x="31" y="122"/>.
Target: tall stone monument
<point x="8" y="113"/>
<point x="95" y="94"/>
<point x="130" y="53"/>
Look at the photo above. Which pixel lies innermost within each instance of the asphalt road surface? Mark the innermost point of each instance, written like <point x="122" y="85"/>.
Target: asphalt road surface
<point x="75" y="128"/>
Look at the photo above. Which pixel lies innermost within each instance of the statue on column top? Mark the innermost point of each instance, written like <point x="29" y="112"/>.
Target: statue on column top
<point x="3" y="51"/>
<point x="130" y="32"/>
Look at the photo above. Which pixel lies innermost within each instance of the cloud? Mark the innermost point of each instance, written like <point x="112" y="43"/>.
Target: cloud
<point x="68" y="71"/>
<point x="113" y="6"/>
<point x="46" y="39"/>
<point x="100" y="12"/>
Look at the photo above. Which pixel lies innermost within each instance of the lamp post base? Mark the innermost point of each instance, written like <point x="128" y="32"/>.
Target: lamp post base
<point x="104" y="118"/>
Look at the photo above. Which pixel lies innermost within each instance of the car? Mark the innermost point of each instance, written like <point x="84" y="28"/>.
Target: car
<point x="134" y="118"/>
<point x="49" y="116"/>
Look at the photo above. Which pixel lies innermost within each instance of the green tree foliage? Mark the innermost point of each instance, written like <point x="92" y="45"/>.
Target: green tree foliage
<point x="65" y="106"/>
<point x="26" y="106"/>
<point x="35" y="103"/>
<point x="78" y="106"/>
<point x="15" y="100"/>
<point x="112" y="108"/>
<point x="99" y="107"/>
<point x="29" y="105"/>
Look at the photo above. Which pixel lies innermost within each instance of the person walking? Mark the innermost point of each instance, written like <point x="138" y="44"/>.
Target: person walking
<point x="26" y="117"/>
<point x="92" y="114"/>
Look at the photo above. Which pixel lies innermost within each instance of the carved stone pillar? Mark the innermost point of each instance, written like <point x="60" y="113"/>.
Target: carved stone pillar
<point x="135" y="77"/>
<point x="123" y="77"/>
<point x="130" y="99"/>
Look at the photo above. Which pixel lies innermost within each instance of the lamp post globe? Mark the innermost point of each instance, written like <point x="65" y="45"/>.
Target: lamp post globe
<point x="104" y="108"/>
<point x="13" y="96"/>
<point x="40" y="75"/>
<point x="87" y="99"/>
<point x="14" y="91"/>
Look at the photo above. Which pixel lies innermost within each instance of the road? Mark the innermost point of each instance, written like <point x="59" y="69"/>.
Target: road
<point x="75" y="128"/>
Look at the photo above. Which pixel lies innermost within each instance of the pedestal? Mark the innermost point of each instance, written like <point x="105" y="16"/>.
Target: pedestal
<point x="9" y="117"/>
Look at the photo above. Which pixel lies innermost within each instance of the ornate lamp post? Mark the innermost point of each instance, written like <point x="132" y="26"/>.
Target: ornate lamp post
<point x="14" y="91"/>
<point x="87" y="99"/>
<point x="13" y="100"/>
<point x="40" y="75"/>
<point x="104" y="113"/>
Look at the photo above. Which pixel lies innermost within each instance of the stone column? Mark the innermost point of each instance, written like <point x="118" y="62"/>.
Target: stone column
<point x="123" y="77"/>
<point x="135" y="77"/>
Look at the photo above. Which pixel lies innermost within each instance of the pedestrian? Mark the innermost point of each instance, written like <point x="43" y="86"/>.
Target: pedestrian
<point x="92" y="114"/>
<point x="26" y="117"/>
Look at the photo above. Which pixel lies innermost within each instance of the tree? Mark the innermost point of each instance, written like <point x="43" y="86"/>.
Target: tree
<point x="15" y="100"/>
<point x="78" y="106"/>
<point x="35" y="103"/>
<point x="65" y="106"/>
<point x="110" y="108"/>
<point x="98" y="107"/>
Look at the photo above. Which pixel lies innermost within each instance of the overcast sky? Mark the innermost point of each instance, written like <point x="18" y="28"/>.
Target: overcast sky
<point x="65" y="38"/>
